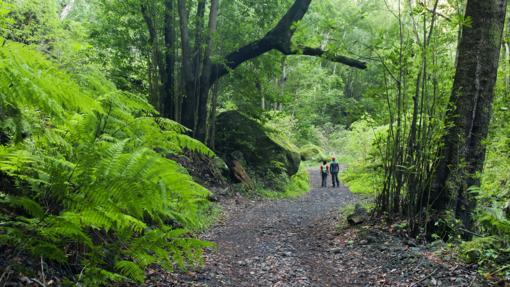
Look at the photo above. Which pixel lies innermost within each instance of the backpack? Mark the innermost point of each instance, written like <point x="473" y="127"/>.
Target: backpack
<point x="334" y="166"/>
<point x="324" y="169"/>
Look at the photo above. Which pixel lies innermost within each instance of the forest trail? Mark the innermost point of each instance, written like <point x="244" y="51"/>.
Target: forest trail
<point x="297" y="242"/>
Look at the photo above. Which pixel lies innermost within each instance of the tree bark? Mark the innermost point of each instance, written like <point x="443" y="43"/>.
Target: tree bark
<point x="189" y="101"/>
<point x="205" y="85"/>
<point x="212" y="120"/>
<point x="467" y="121"/>
<point x="158" y="70"/>
<point x="198" y="45"/>
<point x="67" y="10"/>
<point x="169" y="102"/>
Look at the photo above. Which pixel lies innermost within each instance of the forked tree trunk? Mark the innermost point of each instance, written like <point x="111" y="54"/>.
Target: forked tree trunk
<point x="467" y="120"/>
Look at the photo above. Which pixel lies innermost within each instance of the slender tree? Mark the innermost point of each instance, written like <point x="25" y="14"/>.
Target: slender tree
<point x="169" y="102"/>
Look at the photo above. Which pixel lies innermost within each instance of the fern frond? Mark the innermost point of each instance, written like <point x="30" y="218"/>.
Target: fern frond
<point x="130" y="270"/>
<point x="30" y="206"/>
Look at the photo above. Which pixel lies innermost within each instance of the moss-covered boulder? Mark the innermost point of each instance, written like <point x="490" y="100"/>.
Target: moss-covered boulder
<point x="312" y="152"/>
<point x="240" y="139"/>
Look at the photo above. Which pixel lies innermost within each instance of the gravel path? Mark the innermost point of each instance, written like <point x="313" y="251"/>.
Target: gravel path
<point x="278" y="243"/>
<point x="297" y="243"/>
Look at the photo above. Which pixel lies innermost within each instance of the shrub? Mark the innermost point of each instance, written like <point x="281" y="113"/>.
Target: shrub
<point x="298" y="185"/>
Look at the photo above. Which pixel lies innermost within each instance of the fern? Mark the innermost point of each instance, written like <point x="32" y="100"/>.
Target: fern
<point x="93" y="172"/>
<point x="130" y="270"/>
<point x="31" y="207"/>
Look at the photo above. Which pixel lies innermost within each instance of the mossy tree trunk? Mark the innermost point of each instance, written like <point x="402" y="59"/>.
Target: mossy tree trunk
<point x="468" y="117"/>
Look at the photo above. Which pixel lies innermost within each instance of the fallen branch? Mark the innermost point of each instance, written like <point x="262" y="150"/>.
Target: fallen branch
<point x="38" y="282"/>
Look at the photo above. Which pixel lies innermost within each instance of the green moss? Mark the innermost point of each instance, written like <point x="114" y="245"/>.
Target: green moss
<point x="282" y="140"/>
<point x="311" y="152"/>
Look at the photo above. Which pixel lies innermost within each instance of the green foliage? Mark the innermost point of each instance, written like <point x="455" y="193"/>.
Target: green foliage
<point x="90" y="184"/>
<point x="358" y="148"/>
<point x="34" y="22"/>
<point x="5" y="20"/>
<point x="492" y="253"/>
<point x="298" y="185"/>
<point x="361" y="179"/>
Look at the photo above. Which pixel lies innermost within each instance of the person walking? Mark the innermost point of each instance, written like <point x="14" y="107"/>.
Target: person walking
<point x="324" y="173"/>
<point x="334" y="168"/>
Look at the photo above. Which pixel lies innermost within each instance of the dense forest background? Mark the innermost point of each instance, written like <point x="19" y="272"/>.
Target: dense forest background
<point x="95" y="96"/>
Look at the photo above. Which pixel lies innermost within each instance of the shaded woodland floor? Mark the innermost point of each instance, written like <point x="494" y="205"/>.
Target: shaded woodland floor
<point x="298" y="243"/>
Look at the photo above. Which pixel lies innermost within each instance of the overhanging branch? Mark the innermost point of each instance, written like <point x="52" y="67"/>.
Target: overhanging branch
<point x="317" y="52"/>
<point x="279" y="38"/>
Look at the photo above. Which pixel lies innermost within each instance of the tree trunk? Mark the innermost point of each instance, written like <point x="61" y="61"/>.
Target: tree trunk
<point x="67" y="9"/>
<point x="169" y="102"/>
<point x="201" y="132"/>
<point x="212" y="120"/>
<point x="467" y="121"/>
<point x="198" y="45"/>
<point x="158" y="70"/>
<point x="189" y="100"/>
<point x="507" y="68"/>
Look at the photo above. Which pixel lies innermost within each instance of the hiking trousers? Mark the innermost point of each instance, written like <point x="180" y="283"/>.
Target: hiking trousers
<point x="324" y="179"/>
<point x="334" y="179"/>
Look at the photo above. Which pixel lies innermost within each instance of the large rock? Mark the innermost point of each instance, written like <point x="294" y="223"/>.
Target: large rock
<point x="241" y="140"/>
<point x="358" y="216"/>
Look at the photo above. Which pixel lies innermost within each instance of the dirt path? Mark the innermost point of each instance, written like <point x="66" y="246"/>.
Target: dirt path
<point x="297" y="243"/>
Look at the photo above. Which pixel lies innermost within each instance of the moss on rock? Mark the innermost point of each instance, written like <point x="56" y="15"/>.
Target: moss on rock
<point x="240" y="138"/>
<point x="312" y="152"/>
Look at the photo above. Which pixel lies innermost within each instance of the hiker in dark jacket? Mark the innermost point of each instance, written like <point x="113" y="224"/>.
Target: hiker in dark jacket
<point x="334" y="168"/>
<point x="324" y="173"/>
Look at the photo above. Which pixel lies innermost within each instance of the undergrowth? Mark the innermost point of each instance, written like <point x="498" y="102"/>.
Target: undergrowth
<point x="298" y="185"/>
<point x="356" y="149"/>
<point x="361" y="179"/>
<point x="85" y="179"/>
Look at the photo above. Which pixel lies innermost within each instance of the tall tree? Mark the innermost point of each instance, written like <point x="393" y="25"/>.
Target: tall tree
<point x="467" y="120"/>
<point x="156" y="70"/>
<point x="206" y="72"/>
<point x="279" y="38"/>
<point x="188" y="115"/>
<point x="162" y="60"/>
<point x="169" y="102"/>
